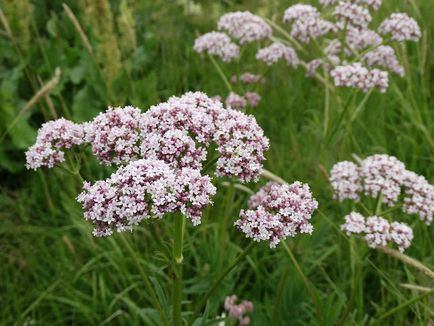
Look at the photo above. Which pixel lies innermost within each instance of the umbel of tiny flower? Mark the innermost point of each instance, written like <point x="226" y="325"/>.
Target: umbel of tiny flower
<point x="377" y="231"/>
<point x="383" y="176"/>
<point x="238" y="311"/>
<point x="278" y="211"/>
<point x="177" y="132"/>
<point x="144" y="189"/>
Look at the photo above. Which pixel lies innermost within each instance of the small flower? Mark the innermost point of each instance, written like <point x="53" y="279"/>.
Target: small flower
<point x="253" y="98"/>
<point x="383" y="174"/>
<point x="312" y="66"/>
<point x="359" y="40"/>
<point x="352" y="15"/>
<point x="402" y="235"/>
<point x="354" y="224"/>
<point x="309" y="28"/>
<point x="401" y="27"/>
<point x="244" y="26"/>
<point x="218" y="44"/>
<point x="346" y="181"/>
<point x="300" y="11"/>
<point x="377" y="231"/>
<point x="272" y="53"/>
<point x="384" y="56"/>
<point x="52" y="137"/>
<point x="419" y="197"/>
<point x="248" y="78"/>
<point x="238" y="311"/>
<point x="235" y="101"/>
<point x="357" y="76"/>
<point x="115" y="135"/>
<point x="278" y="211"/>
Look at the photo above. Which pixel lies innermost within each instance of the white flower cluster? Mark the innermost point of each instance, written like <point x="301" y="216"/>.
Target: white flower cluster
<point x="244" y="26"/>
<point x="385" y="175"/>
<point x="352" y="15"/>
<point x="401" y="28"/>
<point x="218" y="44"/>
<point x="53" y="136"/>
<point x="377" y="231"/>
<point x="384" y="56"/>
<point x="356" y="76"/>
<point x="144" y="189"/>
<point x="278" y="211"/>
<point x="272" y="53"/>
<point x="238" y="311"/>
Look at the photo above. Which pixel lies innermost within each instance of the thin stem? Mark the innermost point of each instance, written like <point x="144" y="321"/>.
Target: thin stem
<point x="306" y="281"/>
<point x="177" y="260"/>
<point x="146" y="281"/>
<point x="221" y="73"/>
<point x="216" y="284"/>
<point x="326" y="105"/>
<point x="361" y="106"/>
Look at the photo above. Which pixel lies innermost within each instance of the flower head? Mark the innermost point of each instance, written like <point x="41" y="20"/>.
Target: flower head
<point x="300" y="11"/>
<point x="278" y="211"/>
<point x="401" y="27"/>
<point x="52" y="137"/>
<point x="419" y="197"/>
<point x="401" y="234"/>
<point x="377" y="231"/>
<point x="115" y="135"/>
<point x="309" y="28"/>
<point x="238" y="311"/>
<point x="351" y="14"/>
<point x="384" y="56"/>
<point x="235" y="101"/>
<point x="141" y="190"/>
<point x="346" y="181"/>
<point x="272" y="53"/>
<point x="244" y="26"/>
<point x="356" y="76"/>
<point x="252" y="98"/>
<point x="383" y="174"/>
<point x="218" y="44"/>
<point x="354" y="224"/>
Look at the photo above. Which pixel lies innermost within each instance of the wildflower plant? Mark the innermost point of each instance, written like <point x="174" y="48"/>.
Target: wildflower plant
<point x="384" y="181"/>
<point x="162" y="160"/>
<point x="337" y="43"/>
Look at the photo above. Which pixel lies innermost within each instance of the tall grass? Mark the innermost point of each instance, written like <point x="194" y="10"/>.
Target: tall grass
<point x="53" y="272"/>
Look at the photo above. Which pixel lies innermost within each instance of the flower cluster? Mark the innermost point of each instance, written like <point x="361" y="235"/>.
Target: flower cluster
<point x="244" y="26"/>
<point x="344" y="53"/>
<point x="272" y="53"/>
<point x="384" y="56"/>
<point x="357" y="76"/>
<point x="235" y="101"/>
<point x="115" y="135"/>
<point x="384" y="177"/>
<point x="278" y="211"/>
<point x="218" y="44"/>
<point x="238" y="311"/>
<point x="377" y="231"/>
<point x="143" y="189"/>
<point x="247" y="78"/>
<point x="401" y="28"/>
<point x="52" y="137"/>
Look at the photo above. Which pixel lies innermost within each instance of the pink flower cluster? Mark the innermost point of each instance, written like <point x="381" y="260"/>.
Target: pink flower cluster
<point x="53" y="136"/>
<point x="401" y="28"/>
<point x="272" y="53"/>
<point x="377" y="231"/>
<point x="358" y="40"/>
<point x="375" y="4"/>
<point x="356" y="76"/>
<point x="218" y="44"/>
<point x="248" y="78"/>
<point x="244" y="26"/>
<point x="240" y="141"/>
<point x="384" y="56"/>
<point x="238" y="311"/>
<point x="385" y="175"/>
<point x="278" y="211"/>
<point x="115" y="135"/>
<point x="143" y="189"/>
<point x="352" y="15"/>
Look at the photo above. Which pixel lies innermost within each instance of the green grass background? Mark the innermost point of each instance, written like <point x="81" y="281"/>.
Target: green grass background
<point x="53" y="272"/>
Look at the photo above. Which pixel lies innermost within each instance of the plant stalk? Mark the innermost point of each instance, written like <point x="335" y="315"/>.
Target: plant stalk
<point x="177" y="261"/>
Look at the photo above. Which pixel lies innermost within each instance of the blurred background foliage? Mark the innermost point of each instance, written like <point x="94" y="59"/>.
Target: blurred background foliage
<point x="73" y="59"/>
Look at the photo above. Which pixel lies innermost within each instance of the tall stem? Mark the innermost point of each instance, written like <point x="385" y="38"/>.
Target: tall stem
<point x="221" y="73"/>
<point x="177" y="262"/>
<point x="216" y="284"/>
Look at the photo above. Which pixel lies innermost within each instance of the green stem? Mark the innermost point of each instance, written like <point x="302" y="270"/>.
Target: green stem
<point x="216" y="284"/>
<point x="306" y="282"/>
<point x="146" y="281"/>
<point x="221" y="73"/>
<point x="271" y="176"/>
<point x="326" y="105"/>
<point x="177" y="260"/>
